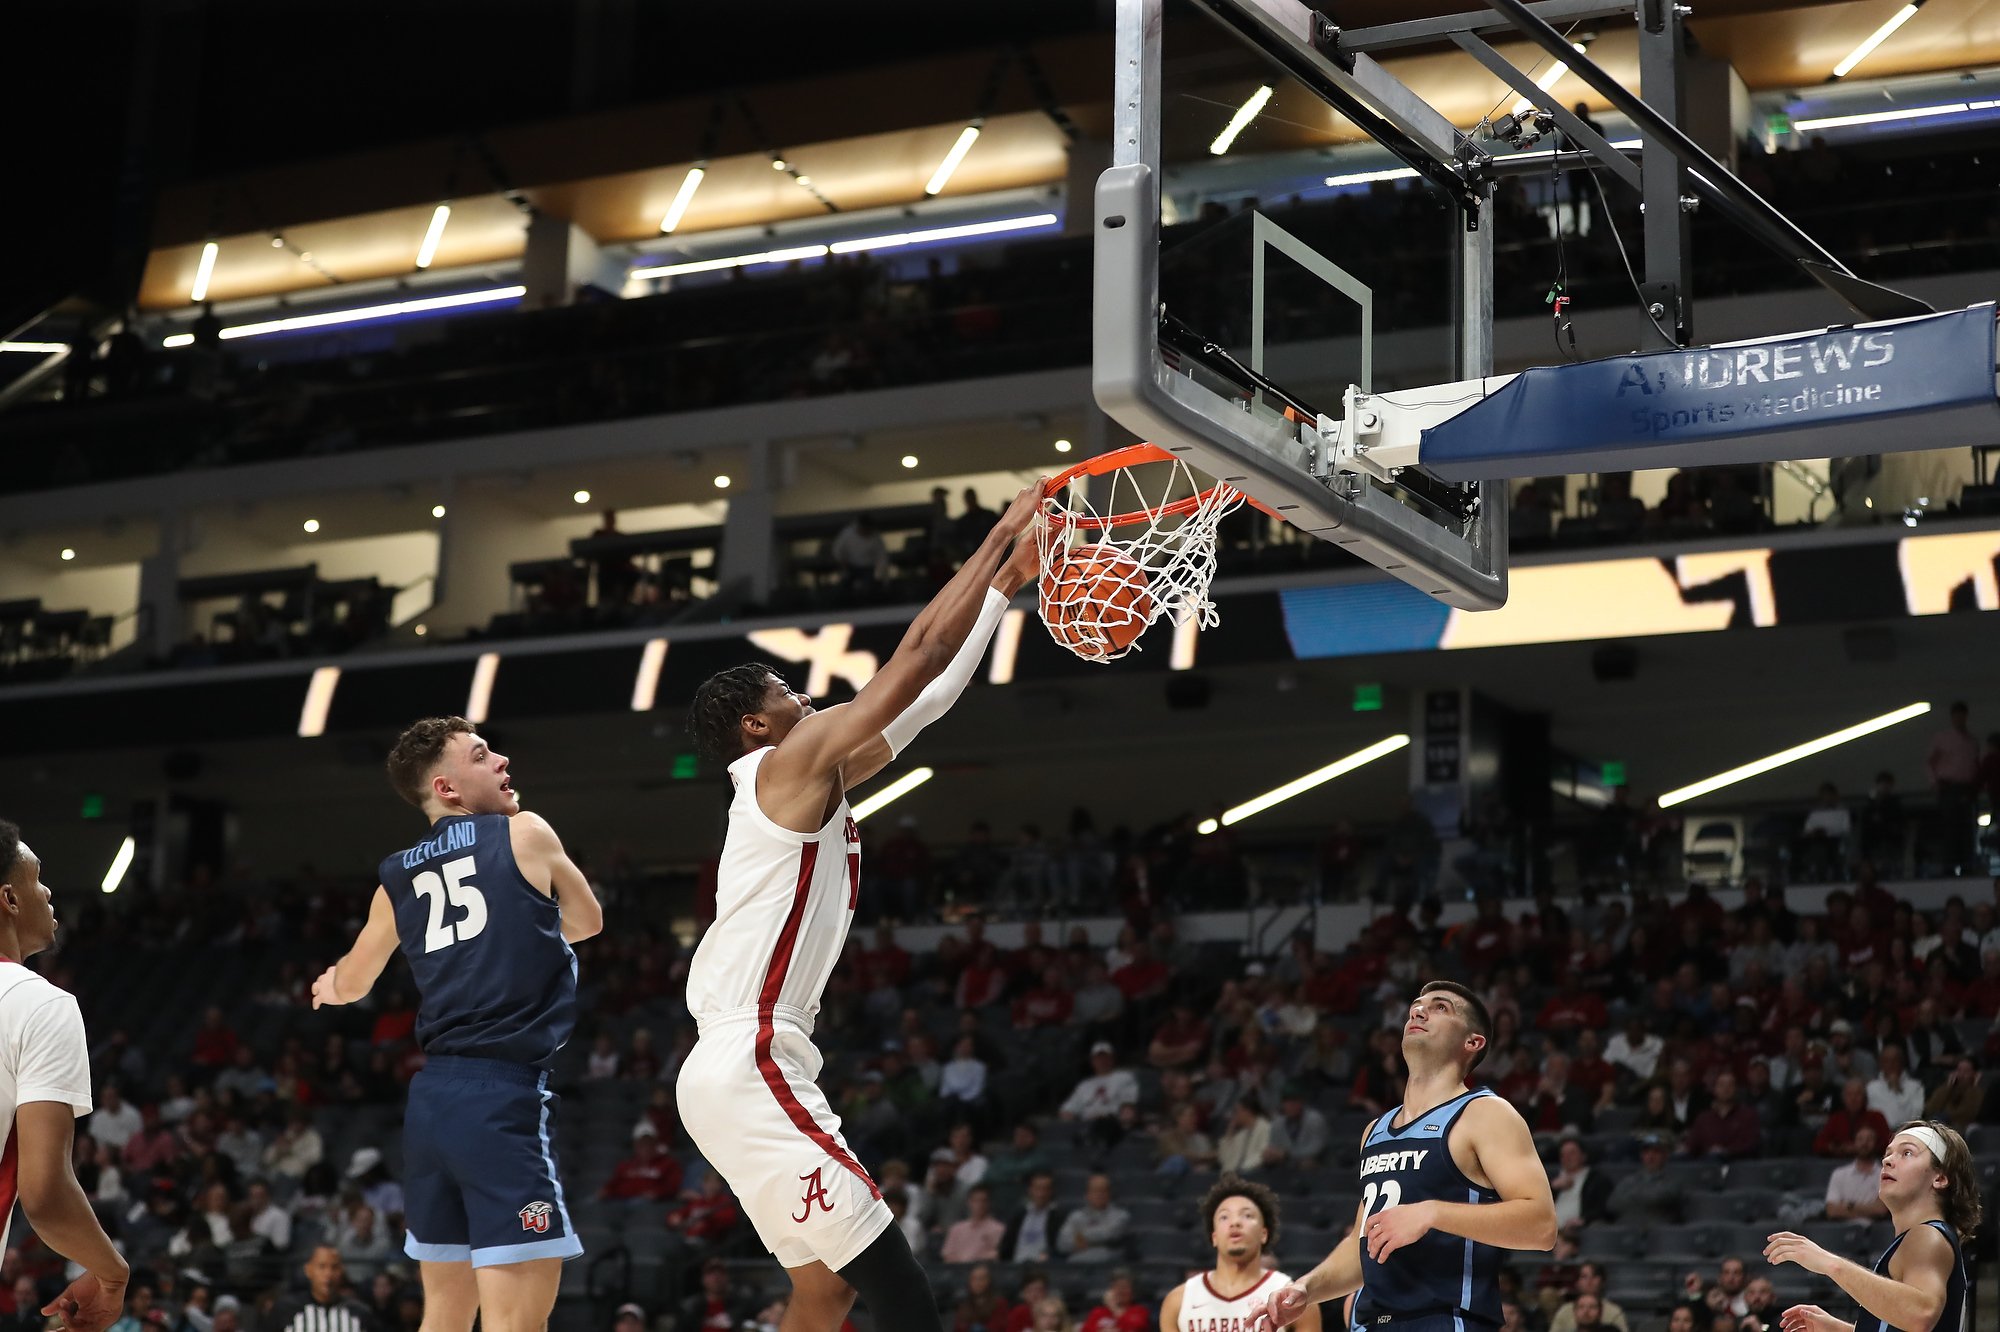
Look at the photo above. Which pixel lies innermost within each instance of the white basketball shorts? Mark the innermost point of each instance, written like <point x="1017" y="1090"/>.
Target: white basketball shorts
<point x="749" y="1100"/>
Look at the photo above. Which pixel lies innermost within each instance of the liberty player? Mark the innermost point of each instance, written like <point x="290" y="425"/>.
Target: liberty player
<point x="786" y="890"/>
<point x="485" y="908"/>
<point x="1448" y="1179"/>
<point x="1242" y="1224"/>
<point x="1931" y="1188"/>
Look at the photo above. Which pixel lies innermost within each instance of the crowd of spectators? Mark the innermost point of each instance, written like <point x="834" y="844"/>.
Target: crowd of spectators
<point x="1656" y="1046"/>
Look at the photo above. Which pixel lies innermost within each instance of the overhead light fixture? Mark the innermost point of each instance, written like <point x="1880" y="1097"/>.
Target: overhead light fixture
<point x="1063" y="446"/>
<point x="961" y="232"/>
<point x="682" y="198"/>
<point x="803" y="182"/>
<point x="959" y="148"/>
<point x="68" y="553"/>
<point x="331" y="318"/>
<point x="428" y="250"/>
<point x="1876" y="38"/>
<point x="38" y="348"/>
<point x="1793" y="755"/>
<point x="1889" y="117"/>
<point x="421" y="630"/>
<point x="895" y="790"/>
<point x="319" y="701"/>
<point x="909" y="460"/>
<point x="310" y="524"/>
<point x="737" y="261"/>
<point x="202" y="272"/>
<point x="119" y="864"/>
<point x="780" y="164"/>
<point x="581" y="497"/>
<point x="480" y="696"/>
<point x="722" y="483"/>
<point x="1300" y="785"/>
<point x="437" y="510"/>
<point x="1252" y="107"/>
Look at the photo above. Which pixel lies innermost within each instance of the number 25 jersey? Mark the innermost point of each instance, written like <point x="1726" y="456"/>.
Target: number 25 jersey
<point x="1440" y="1274"/>
<point x="495" y="977"/>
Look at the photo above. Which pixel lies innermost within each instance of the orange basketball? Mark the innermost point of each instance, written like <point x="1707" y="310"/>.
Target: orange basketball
<point x="1096" y="601"/>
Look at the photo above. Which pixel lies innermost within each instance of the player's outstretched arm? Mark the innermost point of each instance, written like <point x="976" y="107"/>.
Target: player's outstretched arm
<point x="941" y="693"/>
<point x="544" y="863"/>
<point x="1297" y="1305"/>
<point x="1525" y="1216"/>
<point x="823" y="742"/>
<point x="1910" y="1297"/>
<point x="350" y="979"/>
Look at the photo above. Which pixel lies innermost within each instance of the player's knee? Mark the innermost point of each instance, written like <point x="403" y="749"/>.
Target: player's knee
<point x="892" y="1285"/>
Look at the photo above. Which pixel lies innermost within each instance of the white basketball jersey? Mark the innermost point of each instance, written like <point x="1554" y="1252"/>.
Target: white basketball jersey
<point x="783" y="904"/>
<point x="1204" y="1309"/>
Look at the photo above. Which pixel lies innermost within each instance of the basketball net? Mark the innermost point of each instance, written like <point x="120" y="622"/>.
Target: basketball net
<point x="1147" y="549"/>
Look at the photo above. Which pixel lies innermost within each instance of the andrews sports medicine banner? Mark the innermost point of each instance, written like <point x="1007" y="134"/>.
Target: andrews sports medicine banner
<point x="1924" y="383"/>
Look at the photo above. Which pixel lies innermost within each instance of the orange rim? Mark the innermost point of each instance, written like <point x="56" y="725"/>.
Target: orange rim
<point x="1133" y="455"/>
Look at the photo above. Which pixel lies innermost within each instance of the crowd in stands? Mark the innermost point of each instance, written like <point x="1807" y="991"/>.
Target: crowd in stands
<point x="1043" y="1116"/>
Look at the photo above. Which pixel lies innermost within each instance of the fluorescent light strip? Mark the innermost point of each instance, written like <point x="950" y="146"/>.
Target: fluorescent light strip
<point x="119" y="864"/>
<point x="966" y="138"/>
<point x="1875" y="39"/>
<point x="203" y="271"/>
<point x="682" y="198"/>
<point x="1300" y="785"/>
<point x="1793" y="755"/>
<point x="319" y="699"/>
<point x="1409" y="173"/>
<point x="428" y="250"/>
<point x="737" y="261"/>
<point x="895" y="790"/>
<point x="39" y="348"/>
<point x="1549" y="78"/>
<point x="480" y="697"/>
<point x="1885" y="117"/>
<point x="1006" y="646"/>
<point x="1249" y="111"/>
<point x="364" y="313"/>
<point x="895" y="239"/>
<point x="646" y="687"/>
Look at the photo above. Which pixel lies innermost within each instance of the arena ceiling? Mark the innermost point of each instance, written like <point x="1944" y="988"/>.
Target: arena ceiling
<point x="868" y="120"/>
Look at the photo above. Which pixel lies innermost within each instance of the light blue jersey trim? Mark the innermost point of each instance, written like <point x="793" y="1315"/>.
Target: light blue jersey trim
<point x="568" y="1246"/>
<point x="549" y="1160"/>
<point x="435" y="1253"/>
<point x="1465" y="1288"/>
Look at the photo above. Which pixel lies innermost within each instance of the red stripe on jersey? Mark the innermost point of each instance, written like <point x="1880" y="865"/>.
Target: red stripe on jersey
<point x="774" y="985"/>
<point x="10" y="1177"/>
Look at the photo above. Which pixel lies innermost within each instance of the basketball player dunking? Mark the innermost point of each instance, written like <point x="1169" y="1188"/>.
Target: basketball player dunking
<point x="485" y="908"/>
<point x="1242" y="1224"/>
<point x="1449" y="1178"/>
<point x="1918" y="1284"/>
<point x="786" y="890"/>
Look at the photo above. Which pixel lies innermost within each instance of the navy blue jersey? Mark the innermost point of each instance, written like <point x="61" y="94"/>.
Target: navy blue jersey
<point x="495" y="977"/>
<point x="1441" y="1277"/>
<point x="1952" y="1317"/>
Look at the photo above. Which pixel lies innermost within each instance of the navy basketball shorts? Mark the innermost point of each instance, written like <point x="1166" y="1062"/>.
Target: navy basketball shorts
<point x="480" y="1166"/>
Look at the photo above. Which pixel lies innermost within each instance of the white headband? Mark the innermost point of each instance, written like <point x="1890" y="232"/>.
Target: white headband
<point x="1929" y="1137"/>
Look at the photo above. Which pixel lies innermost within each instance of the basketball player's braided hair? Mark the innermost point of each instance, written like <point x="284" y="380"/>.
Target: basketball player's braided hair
<point x="716" y="719"/>
<point x="1260" y="1196"/>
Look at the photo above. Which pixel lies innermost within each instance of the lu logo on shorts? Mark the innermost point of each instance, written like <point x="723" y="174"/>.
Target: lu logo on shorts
<point x="535" y="1217"/>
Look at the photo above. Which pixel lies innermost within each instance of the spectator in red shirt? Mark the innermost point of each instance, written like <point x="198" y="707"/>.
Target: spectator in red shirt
<point x="1181" y="1041"/>
<point x="1728" y="1128"/>
<point x="215" y="1043"/>
<point x="1049" y="1004"/>
<point x="1570" y="1008"/>
<point x="396" y="1023"/>
<point x="1590" y="1072"/>
<point x="716" y="1307"/>
<point x="705" y="1217"/>
<point x="899" y="870"/>
<point x="1982" y="997"/>
<point x="1836" y="1136"/>
<point x="648" y="1174"/>
<point x="982" y="1308"/>
<point x="1119" y="1312"/>
<point x="983" y="981"/>
<point x="153" y="1146"/>
<point x="887" y="960"/>
<point x="1143" y="977"/>
<point x="1487" y="939"/>
<point x="1555" y="1105"/>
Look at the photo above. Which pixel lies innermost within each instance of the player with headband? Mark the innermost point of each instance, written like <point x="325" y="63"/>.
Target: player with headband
<point x="1918" y="1284"/>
